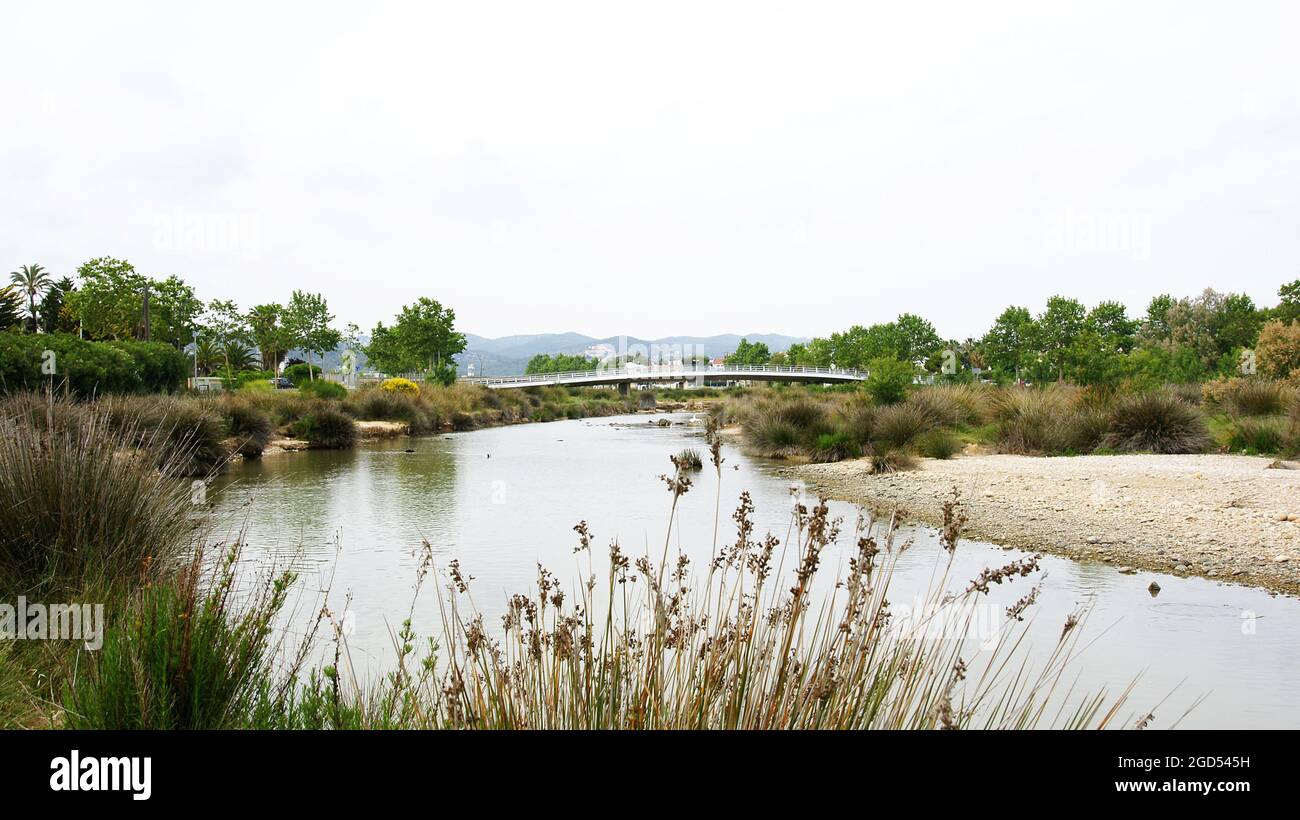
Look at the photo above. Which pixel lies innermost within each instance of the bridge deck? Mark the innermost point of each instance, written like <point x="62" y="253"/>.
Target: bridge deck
<point x="676" y="373"/>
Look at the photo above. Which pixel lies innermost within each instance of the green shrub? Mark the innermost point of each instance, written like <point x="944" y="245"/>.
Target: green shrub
<point x="1257" y="435"/>
<point x="939" y="444"/>
<point x="835" y="446"/>
<point x="322" y="389"/>
<point x="184" y="657"/>
<point x="301" y="372"/>
<point x="1157" y="422"/>
<point x="888" y="380"/>
<point x="159" y="367"/>
<point x="326" y="428"/>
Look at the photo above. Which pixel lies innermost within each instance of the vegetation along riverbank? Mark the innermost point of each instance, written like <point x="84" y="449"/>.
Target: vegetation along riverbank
<point x="1192" y="479"/>
<point x="641" y="641"/>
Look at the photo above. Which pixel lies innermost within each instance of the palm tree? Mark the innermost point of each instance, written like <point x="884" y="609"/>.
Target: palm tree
<point x="207" y="356"/>
<point x="10" y="308"/>
<point x="33" y="281"/>
<point x="238" y="355"/>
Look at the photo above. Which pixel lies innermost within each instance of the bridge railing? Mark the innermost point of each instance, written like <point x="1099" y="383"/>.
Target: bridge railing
<point x="667" y="372"/>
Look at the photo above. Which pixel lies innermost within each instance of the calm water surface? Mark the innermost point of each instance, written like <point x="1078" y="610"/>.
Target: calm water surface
<point x="506" y="499"/>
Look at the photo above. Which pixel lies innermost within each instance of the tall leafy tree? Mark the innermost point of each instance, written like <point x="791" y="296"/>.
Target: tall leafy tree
<point x="427" y="331"/>
<point x="307" y="321"/>
<point x="32" y="281"/>
<point x="57" y="315"/>
<point x="1058" y="326"/>
<point x="11" y="306"/>
<point x="750" y="353"/>
<point x="108" y="298"/>
<point x="1288" y="307"/>
<point x="1009" y="344"/>
<point x="268" y="333"/>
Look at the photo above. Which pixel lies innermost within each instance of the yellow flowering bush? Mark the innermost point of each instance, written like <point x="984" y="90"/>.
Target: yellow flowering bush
<point x="403" y="386"/>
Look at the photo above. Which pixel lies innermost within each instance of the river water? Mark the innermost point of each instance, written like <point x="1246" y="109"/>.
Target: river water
<point x="503" y="500"/>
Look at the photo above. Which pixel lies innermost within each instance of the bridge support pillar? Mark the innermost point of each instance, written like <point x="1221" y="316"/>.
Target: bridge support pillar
<point x="623" y="388"/>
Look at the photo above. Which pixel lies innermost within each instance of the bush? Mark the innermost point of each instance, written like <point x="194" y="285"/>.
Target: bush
<point x="901" y="424"/>
<point x="186" y="437"/>
<point x="1278" y="350"/>
<point x="835" y="446"/>
<point x="302" y="372"/>
<point x="888" y="380"/>
<point x="248" y="423"/>
<point x="939" y="444"/>
<point x="1157" y="422"/>
<point x="77" y="513"/>
<point x="1290" y="446"/>
<point x="322" y="389"/>
<point x="1245" y="396"/>
<point x="1254" y="436"/>
<point x="327" y="428"/>
<point x="159" y="367"/>
<point x="399" y="385"/>
<point x="184" y="657"/>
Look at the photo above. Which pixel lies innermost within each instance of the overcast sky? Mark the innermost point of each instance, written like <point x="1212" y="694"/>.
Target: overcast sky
<point x="659" y="168"/>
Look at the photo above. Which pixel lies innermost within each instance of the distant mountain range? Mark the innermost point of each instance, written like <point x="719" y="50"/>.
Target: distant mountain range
<point x="509" y="355"/>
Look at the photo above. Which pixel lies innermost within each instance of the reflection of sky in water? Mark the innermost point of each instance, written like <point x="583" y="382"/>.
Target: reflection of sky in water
<point x="505" y="499"/>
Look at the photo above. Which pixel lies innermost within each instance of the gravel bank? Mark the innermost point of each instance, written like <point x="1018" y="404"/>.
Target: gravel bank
<point x="1230" y="518"/>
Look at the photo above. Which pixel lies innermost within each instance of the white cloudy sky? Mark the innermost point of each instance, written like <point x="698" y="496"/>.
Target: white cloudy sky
<point x="659" y="168"/>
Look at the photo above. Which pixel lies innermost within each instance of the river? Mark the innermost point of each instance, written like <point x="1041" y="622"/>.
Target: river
<point x="505" y="499"/>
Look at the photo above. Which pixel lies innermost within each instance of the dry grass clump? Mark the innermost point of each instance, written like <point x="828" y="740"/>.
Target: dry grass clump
<point x="246" y="422"/>
<point x="79" y="510"/>
<point x="1157" y="422"/>
<point x="1246" y="396"/>
<point x="186" y="437"/>
<point x="955" y="405"/>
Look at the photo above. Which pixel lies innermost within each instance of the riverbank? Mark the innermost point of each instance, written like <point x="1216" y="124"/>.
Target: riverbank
<point x="1224" y="517"/>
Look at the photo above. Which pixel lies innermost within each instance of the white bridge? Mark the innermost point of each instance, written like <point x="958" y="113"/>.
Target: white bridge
<point x="635" y="374"/>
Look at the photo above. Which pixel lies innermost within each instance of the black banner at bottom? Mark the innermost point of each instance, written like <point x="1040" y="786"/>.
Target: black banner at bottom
<point x="146" y="770"/>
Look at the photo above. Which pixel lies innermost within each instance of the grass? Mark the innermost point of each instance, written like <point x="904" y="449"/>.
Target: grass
<point x="1156" y="422"/>
<point x="327" y="428"/>
<point x="81" y="506"/>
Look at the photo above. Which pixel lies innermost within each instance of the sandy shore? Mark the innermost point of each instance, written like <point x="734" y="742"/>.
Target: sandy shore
<point x="1231" y="518"/>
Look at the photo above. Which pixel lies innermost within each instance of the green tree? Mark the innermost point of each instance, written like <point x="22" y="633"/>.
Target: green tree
<point x="57" y="315"/>
<point x="108" y="298"/>
<point x="32" y="281"/>
<point x="1009" y="343"/>
<point x="174" y="311"/>
<point x="888" y="379"/>
<point x="307" y="321"/>
<point x="1058" y="326"/>
<point x="11" y="306"/>
<point x="1111" y="324"/>
<point x="1288" y="307"/>
<point x="559" y="363"/>
<point x="268" y="334"/>
<point x="749" y="353"/>
<point x="427" y="331"/>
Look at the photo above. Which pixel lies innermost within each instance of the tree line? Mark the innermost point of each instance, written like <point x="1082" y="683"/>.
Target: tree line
<point x="1176" y="340"/>
<point x="109" y="301"/>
